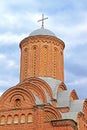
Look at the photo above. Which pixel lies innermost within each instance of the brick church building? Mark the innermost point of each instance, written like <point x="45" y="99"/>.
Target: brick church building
<point x="41" y="100"/>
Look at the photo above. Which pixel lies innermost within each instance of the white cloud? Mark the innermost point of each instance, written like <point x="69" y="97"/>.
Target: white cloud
<point x="10" y="38"/>
<point x="2" y="57"/>
<point x="77" y="82"/>
<point x="8" y="82"/>
<point x="11" y="63"/>
<point x="4" y="83"/>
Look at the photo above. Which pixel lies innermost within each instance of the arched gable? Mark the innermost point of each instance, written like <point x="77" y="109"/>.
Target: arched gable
<point x="51" y="114"/>
<point x="73" y="95"/>
<point x="35" y="89"/>
<point x="62" y="87"/>
<point x="42" y="84"/>
<point x="17" y="97"/>
<point x="85" y="108"/>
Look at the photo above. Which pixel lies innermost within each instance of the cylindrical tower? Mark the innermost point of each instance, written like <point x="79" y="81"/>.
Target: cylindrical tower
<point x="42" y="55"/>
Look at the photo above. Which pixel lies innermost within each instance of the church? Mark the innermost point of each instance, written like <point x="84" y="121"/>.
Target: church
<point x="41" y="100"/>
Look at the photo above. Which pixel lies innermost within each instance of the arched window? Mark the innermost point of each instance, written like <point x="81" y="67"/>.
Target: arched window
<point x="9" y="119"/>
<point x="2" y="122"/>
<point x="17" y="103"/>
<point x="29" y="118"/>
<point x="22" y="118"/>
<point x="55" y="61"/>
<point x="35" y="62"/>
<point x="25" y="62"/>
<point x="16" y="119"/>
<point x="45" y="59"/>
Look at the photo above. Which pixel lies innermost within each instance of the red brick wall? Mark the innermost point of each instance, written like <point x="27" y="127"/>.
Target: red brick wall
<point x="42" y="56"/>
<point x="34" y="118"/>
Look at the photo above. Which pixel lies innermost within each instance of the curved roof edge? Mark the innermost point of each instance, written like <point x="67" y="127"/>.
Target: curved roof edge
<point x="42" y="31"/>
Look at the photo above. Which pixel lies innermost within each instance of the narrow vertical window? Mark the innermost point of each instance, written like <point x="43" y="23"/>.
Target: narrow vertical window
<point x="45" y="60"/>
<point x="22" y="118"/>
<point x="2" y="120"/>
<point x="55" y="61"/>
<point x="16" y="119"/>
<point x="9" y="120"/>
<point x="61" y="65"/>
<point x="30" y="118"/>
<point x="25" y="62"/>
<point x="34" y="60"/>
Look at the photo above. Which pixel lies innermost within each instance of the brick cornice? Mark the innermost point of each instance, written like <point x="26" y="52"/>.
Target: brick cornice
<point x="33" y="39"/>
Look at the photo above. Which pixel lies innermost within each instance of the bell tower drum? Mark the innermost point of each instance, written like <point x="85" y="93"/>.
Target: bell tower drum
<point x="42" y="55"/>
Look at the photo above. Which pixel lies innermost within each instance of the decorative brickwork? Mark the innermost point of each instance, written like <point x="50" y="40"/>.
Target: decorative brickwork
<point x="44" y="57"/>
<point x="25" y="62"/>
<point x="41" y="100"/>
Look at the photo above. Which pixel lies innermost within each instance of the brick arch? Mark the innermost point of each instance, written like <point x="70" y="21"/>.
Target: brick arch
<point x="13" y="93"/>
<point x="85" y="108"/>
<point x="42" y="84"/>
<point x="73" y="95"/>
<point x="80" y="114"/>
<point x="35" y="89"/>
<point x="34" y="46"/>
<point x="45" y="46"/>
<point x="51" y="114"/>
<point x="25" y="49"/>
<point x="55" y="48"/>
<point x="62" y="87"/>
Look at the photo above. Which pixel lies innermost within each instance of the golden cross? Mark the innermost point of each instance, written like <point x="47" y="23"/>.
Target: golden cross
<point x="42" y="20"/>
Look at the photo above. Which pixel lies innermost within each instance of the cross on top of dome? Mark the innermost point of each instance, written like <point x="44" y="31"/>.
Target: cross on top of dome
<point x="42" y="31"/>
<point x="42" y="20"/>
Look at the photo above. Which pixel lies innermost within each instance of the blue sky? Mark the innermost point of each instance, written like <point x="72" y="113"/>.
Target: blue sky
<point x="66" y="18"/>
